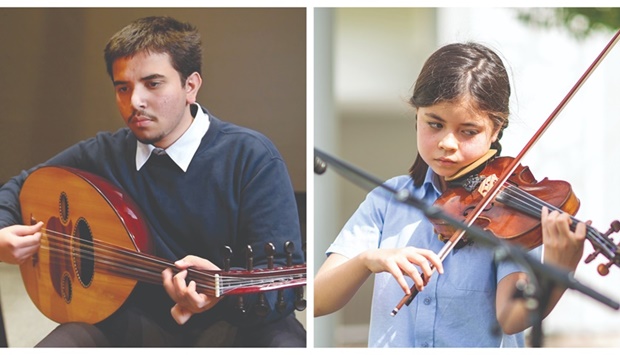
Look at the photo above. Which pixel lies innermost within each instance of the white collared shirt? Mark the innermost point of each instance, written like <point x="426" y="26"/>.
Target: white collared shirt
<point x="182" y="151"/>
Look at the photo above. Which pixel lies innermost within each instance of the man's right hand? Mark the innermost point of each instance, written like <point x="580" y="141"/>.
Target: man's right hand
<point x="19" y="242"/>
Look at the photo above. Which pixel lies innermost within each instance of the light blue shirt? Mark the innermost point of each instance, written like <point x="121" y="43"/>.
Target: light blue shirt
<point x="456" y="309"/>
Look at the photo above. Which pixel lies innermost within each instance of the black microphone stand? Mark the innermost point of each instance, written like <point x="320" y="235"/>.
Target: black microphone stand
<point x="544" y="275"/>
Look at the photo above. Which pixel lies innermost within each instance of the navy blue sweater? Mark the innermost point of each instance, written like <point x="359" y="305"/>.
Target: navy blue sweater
<point x="236" y="192"/>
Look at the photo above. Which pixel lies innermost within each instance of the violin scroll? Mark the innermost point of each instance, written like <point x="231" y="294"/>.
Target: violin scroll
<point x="614" y="259"/>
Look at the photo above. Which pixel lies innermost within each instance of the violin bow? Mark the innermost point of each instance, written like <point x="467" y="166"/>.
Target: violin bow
<point x="493" y="190"/>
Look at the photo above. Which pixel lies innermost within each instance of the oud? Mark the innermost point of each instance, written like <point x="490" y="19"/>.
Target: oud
<point x="95" y="248"/>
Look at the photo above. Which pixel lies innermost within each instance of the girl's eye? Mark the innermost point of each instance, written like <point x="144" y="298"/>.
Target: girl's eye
<point x="435" y="125"/>
<point x="470" y="132"/>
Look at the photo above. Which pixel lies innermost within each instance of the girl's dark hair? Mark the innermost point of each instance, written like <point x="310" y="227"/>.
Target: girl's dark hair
<point x="180" y="41"/>
<point x="463" y="70"/>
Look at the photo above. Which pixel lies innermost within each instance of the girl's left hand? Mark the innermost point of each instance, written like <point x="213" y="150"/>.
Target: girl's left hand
<point x="562" y="247"/>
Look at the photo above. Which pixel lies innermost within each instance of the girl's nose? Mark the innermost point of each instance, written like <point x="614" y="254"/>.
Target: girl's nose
<point x="448" y="142"/>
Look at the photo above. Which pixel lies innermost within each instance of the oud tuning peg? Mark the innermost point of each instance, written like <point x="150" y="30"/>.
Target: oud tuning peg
<point x="227" y="254"/>
<point x="262" y="307"/>
<point x="289" y="248"/>
<point x="300" y="302"/>
<point x="270" y="250"/>
<point x="249" y="257"/>
<point x="240" y="305"/>
<point x="280" y="303"/>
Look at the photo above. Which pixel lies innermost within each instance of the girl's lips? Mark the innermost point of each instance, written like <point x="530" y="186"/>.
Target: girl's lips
<point x="445" y="161"/>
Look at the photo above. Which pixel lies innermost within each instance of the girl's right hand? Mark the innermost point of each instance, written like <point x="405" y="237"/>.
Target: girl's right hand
<point x="19" y="242"/>
<point x="402" y="261"/>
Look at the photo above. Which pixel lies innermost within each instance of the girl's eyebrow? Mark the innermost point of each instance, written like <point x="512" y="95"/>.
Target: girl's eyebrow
<point x="440" y="119"/>
<point x="434" y="116"/>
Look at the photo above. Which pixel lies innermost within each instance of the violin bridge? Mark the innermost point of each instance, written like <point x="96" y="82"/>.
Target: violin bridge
<point x="487" y="184"/>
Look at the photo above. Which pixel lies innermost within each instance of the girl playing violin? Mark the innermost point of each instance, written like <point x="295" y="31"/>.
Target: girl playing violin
<point x="461" y="99"/>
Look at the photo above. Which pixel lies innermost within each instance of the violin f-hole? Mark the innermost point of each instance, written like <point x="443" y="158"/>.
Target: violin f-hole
<point x="470" y="208"/>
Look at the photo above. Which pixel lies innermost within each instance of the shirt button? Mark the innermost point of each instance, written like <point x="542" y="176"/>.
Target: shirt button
<point x="427" y="301"/>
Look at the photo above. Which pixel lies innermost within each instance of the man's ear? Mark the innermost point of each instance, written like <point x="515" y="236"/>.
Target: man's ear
<point x="192" y="85"/>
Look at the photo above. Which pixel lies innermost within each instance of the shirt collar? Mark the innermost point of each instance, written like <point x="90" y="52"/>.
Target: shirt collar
<point x="182" y="151"/>
<point x="431" y="180"/>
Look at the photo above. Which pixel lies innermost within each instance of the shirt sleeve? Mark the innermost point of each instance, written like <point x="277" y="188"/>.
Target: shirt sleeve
<point x="73" y="156"/>
<point x="10" y="212"/>
<point x="364" y="228"/>
<point x="511" y="265"/>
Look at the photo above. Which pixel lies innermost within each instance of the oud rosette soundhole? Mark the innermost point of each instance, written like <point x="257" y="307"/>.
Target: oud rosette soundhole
<point x="63" y="208"/>
<point x="83" y="253"/>
<point x="66" y="287"/>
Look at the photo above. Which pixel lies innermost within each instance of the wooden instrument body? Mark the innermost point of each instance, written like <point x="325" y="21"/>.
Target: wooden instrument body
<point x="515" y="213"/>
<point x="63" y="281"/>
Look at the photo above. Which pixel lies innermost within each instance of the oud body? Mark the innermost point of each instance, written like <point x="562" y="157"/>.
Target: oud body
<point x="64" y="279"/>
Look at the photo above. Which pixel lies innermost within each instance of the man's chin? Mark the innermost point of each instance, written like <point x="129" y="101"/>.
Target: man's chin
<point x="147" y="139"/>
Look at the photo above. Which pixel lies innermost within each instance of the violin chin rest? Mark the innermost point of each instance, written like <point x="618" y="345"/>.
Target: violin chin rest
<point x="488" y="155"/>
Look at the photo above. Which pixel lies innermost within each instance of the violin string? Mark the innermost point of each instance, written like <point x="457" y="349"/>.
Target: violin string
<point x="108" y="255"/>
<point x="533" y="205"/>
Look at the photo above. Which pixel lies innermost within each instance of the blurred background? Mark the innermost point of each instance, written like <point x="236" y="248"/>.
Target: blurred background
<point x="56" y="92"/>
<point x="366" y="62"/>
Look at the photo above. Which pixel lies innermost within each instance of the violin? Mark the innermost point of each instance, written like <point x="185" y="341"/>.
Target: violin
<point x="514" y="215"/>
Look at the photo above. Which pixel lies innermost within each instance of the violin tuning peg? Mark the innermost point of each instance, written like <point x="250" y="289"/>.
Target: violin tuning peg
<point x="614" y="227"/>
<point x="603" y="269"/>
<point x="591" y="257"/>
